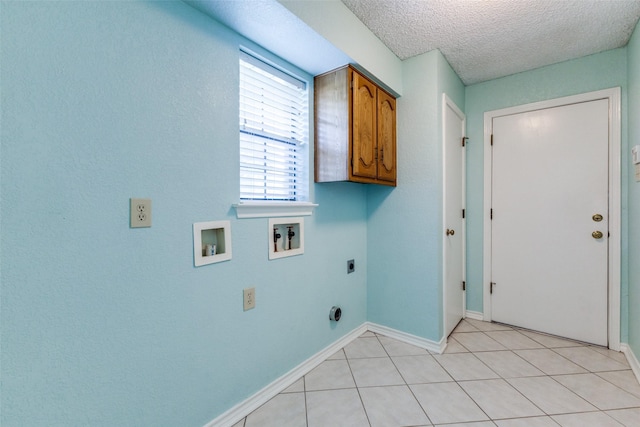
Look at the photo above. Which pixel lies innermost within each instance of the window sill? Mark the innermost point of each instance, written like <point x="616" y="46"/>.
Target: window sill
<point x="256" y="209"/>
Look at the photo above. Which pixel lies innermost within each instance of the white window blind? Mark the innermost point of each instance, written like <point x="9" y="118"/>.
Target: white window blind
<point x="274" y="132"/>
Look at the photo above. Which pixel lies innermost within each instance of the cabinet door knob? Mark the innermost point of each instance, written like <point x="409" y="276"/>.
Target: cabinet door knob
<point x="450" y="232"/>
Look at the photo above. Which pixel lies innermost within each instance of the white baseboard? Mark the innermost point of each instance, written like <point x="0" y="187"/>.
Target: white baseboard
<point x="475" y="315"/>
<point x="242" y="409"/>
<point x="436" y="347"/>
<point x="633" y="360"/>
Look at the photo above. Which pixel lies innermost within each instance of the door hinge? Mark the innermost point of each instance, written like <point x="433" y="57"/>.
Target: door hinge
<point x="464" y="140"/>
<point x="492" y="140"/>
<point x="491" y="213"/>
<point x="491" y="285"/>
<point x="464" y="285"/>
<point x="463" y="213"/>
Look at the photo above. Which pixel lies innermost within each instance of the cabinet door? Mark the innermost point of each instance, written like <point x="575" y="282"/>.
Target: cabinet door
<point x="386" y="137"/>
<point x="364" y="143"/>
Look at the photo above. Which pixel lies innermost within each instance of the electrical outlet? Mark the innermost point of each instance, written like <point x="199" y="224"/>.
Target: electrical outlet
<point x="140" y="213"/>
<point x="351" y="266"/>
<point x="249" y="295"/>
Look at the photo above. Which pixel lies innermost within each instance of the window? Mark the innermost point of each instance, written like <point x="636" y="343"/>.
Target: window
<point x="274" y="123"/>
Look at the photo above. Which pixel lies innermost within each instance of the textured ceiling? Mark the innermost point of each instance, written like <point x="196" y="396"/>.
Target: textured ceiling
<point x="487" y="39"/>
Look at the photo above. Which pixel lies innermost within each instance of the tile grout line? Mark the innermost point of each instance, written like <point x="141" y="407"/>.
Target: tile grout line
<point x="553" y="379"/>
<point x="505" y="380"/>
<point x="306" y="407"/>
<point x="462" y="388"/>
<point x="364" y="408"/>
<point x="405" y="380"/>
<point x="616" y="385"/>
<point x="518" y="391"/>
<point x="595" y="373"/>
<point x="572" y="361"/>
<point x="553" y="349"/>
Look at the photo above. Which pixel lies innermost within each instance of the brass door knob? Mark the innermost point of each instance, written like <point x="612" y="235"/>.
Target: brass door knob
<point x="597" y="218"/>
<point x="597" y="234"/>
<point x="450" y="232"/>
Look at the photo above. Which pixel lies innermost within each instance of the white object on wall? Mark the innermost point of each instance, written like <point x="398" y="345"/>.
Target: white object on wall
<point x="211" y="242"/>
<point x="286" y="237"/>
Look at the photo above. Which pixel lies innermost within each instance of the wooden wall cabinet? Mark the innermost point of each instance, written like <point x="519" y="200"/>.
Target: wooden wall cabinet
<point x="355" y="128"/>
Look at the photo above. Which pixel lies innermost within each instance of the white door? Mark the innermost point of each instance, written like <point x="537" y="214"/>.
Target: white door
<point x="453" y="222"/>
<point x="549" y="202"/>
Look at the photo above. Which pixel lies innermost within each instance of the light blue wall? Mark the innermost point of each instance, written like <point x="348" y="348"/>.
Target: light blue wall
<point x="634" y="194"/>
<point x="595" y="72"/>
<point x="405" y="224"/>
<point x="449" y="83"/>
<point x="104" y="325"/>
<point x="336" y="23"/>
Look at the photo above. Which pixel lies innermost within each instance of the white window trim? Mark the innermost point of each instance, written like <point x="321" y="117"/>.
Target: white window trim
<point x="265" y="209"/>
<point x="302" y="145"/>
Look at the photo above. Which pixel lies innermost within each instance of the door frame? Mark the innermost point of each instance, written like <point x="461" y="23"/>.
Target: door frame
<point x="448" y="103"/>
<point x="614" y="265"/>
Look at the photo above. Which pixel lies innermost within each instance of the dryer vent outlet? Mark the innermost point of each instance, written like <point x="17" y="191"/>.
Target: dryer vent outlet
<point x="335" y="313"/>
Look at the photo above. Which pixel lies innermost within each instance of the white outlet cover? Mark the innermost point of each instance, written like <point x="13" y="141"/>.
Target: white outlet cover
<point x="249" y="297"/>
<point x="140" y="213"/>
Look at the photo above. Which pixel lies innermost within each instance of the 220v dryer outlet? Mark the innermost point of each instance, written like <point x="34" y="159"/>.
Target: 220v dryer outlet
<point x="140" y="213"/>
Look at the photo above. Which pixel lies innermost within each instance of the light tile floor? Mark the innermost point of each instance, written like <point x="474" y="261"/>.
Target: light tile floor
<point x="489" y="375"/>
